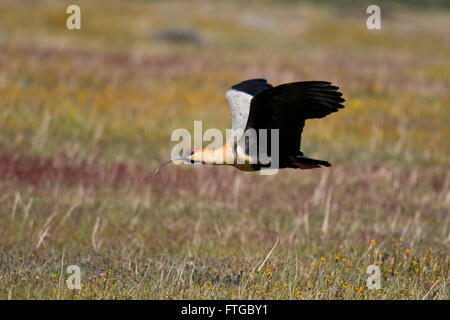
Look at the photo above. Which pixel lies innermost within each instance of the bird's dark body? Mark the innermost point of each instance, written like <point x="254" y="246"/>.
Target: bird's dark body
<point x="297" y="162"/>
<point x="286" y="107"/>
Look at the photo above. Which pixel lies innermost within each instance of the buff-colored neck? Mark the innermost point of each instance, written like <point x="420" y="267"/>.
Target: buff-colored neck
<point x="223" y="155"/>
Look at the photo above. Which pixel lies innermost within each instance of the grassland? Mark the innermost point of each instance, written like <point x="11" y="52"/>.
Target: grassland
<point x="85" y="117"/>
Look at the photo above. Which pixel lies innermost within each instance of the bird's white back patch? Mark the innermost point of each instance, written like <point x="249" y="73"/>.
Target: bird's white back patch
<point x="239" y="103"/>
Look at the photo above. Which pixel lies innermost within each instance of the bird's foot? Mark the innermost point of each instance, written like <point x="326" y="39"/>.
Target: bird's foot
<point x="305" y="166"/>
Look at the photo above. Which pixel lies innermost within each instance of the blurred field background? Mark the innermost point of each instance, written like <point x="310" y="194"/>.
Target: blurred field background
<point x="86" y="115"/>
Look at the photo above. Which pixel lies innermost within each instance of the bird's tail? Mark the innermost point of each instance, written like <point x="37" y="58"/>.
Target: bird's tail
<point x="308" y="163"/>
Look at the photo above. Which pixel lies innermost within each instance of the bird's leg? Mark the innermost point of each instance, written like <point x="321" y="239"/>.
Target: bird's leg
<point x="305" y="166"/>
<point x="303" y="162"/>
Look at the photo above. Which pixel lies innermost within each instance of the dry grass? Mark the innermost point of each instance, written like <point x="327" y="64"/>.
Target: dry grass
<point x="86" y="115"/>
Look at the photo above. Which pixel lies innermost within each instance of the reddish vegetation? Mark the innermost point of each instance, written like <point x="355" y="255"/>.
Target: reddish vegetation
<point x="122" y="60"/>
<point x="220" y="183"/>
<point x="62" y="170"/>
<point x="36" y="170"/>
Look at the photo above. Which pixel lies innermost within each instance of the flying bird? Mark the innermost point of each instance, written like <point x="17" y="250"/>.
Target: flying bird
<point x="255" y="104"/>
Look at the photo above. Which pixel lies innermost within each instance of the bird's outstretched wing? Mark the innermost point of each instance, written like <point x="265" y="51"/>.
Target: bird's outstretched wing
<point x="287" y="106"/>
<point x="239" y="97"/>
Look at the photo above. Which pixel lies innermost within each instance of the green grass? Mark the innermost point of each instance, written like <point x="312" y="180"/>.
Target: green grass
<point x="85" y="117"/>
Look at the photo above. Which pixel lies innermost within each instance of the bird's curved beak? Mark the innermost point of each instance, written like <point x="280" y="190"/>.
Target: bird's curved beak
<point x="184" y="157"/>
<point x="162" y="165"/>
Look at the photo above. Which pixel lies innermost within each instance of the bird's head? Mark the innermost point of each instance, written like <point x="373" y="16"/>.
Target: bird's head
<point x="194" y="155"/>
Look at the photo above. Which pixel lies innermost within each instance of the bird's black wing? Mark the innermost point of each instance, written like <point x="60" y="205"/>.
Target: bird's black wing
<point x="252" y="86"/>
<point x="287" y="106"/>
